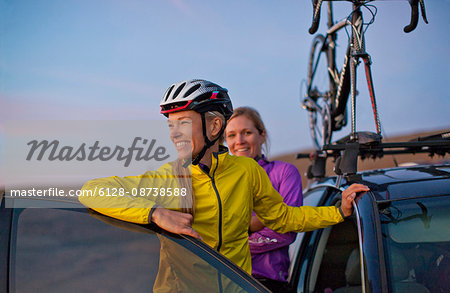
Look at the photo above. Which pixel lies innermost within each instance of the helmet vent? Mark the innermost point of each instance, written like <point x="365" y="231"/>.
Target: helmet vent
<point x="191" y="90"/>
<point x="168" y="93"/>
<point x="178" y="90"/>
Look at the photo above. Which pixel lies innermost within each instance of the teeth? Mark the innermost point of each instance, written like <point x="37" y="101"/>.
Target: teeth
<point x="242" y="150"/>
<point x="183" y="143"/>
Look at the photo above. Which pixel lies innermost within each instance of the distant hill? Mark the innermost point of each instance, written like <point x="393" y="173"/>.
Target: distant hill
<point x="368" y="164"/>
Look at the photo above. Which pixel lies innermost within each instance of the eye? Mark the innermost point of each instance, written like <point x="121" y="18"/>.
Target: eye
<point x="186" y="122"/>
<point x="231" y="135"/>
<point x="248" y="133"/>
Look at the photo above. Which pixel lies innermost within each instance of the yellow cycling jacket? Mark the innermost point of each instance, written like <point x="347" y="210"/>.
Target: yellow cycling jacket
<point x="224" y="200"/>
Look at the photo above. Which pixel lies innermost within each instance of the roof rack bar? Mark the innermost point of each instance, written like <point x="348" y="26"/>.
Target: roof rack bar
<point x="346" y="154"/>
<point x="388" y="145"/>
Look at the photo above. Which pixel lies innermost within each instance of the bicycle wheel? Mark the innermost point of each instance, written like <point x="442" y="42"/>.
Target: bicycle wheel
<point x="320" y="91"/>
<point x="320" y="124"/>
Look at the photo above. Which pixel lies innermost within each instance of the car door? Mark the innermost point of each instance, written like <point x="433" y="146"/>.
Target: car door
<point x="328" y="259"/>
<point x="79" y="250"/>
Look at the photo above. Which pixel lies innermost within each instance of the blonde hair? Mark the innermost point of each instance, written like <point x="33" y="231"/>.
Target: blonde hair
<point x="254" y="116"/>
<point x="184" y="177"/>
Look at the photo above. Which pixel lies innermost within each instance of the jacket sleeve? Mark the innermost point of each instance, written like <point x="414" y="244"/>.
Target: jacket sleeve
<point x="276" y="215"/>
<point x="290" y="188"/>
<point x="130" y="198"/>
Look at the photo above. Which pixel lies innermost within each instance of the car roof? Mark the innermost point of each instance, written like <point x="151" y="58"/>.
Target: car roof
<point x="401" y="182"/>
<point x="408" y="182"/>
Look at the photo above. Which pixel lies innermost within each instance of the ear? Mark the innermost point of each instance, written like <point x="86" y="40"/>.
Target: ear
<point x="263" y="136"/>
<point x="215" y="126"/>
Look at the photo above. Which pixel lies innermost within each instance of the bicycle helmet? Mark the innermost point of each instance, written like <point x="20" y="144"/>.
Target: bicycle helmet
<point x="200" y="96"/>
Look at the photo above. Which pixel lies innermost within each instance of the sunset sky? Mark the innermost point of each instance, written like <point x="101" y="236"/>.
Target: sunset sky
<point x="113" y="60"/>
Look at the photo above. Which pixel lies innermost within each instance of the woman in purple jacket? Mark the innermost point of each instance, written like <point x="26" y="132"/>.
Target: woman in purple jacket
<point x="245" y="136"/>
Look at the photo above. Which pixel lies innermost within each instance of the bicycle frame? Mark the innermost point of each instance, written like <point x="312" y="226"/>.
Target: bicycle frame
<point x="355" y="51"/>
<point x="342" y="85"/>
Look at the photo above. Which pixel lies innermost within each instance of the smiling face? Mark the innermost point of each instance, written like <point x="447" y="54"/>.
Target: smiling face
<point x="186" y="133"/>
<point x="242" y="137"/>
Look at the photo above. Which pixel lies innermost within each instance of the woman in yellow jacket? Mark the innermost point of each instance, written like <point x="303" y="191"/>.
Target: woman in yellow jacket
<point x="225" y="189"/>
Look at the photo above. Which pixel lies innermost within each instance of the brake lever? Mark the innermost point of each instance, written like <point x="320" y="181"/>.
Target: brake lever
<point x="415" y="15"/>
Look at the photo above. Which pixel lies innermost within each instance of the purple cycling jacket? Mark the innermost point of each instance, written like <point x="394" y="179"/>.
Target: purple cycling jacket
<point x="269" y="249"/>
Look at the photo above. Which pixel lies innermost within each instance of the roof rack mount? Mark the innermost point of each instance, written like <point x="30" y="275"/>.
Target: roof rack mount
<point x="369" y="145"/>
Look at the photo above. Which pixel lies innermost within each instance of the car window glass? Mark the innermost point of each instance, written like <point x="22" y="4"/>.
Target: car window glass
<point x="418" y="189"/>
<point x="335" y="263"/>
<point x="68" y="251"/>
<point x="313" y="197"/>
<point x="416" y="236"/>
<point x="428" y="218"/>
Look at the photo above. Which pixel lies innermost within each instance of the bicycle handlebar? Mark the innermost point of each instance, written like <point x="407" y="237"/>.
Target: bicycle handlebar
<point x="415" y="15"/>
<point x="409" y="28"/>
<point x="316" y="16"/>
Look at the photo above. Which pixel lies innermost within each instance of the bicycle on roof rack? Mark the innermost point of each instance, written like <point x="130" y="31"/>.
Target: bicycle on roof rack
<point x="327" y="104"/>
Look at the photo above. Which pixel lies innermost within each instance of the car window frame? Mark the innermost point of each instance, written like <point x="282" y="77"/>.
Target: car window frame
<point x="370" y="231"/>
<point x="361" y="247"/>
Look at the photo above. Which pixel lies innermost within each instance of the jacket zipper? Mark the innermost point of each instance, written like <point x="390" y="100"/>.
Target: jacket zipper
<point x="220" y="213"/>
<point x="218" y="200"/>
<point x="219" y="245"/>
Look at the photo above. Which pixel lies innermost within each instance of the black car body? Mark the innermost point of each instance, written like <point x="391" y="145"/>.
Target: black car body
<point x="400" y="230"/>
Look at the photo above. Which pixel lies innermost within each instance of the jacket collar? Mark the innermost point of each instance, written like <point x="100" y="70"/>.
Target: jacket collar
<point x="217" y="159"/>
<point x="261" y="160"/>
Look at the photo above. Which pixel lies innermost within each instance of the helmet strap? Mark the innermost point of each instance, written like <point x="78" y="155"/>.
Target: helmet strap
<point x="208" y="143"/>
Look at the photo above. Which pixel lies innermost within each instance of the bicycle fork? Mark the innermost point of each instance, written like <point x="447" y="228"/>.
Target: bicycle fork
<point x="367" y="63"/>
<point x="353" y="65"/>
